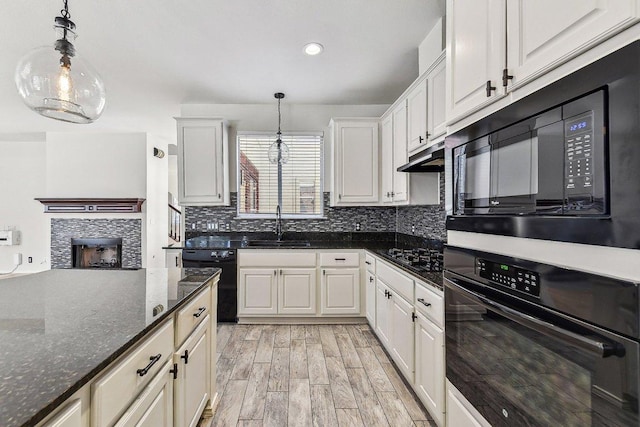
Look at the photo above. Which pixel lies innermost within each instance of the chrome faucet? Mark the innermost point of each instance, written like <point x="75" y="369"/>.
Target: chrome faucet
<point x="278" y="223"/>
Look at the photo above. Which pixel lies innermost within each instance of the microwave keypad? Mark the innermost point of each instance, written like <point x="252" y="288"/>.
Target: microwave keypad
<point x="578" y="158"/>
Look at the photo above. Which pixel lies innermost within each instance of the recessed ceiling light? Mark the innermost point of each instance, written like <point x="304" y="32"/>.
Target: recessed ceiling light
<point x="312" y="49"/>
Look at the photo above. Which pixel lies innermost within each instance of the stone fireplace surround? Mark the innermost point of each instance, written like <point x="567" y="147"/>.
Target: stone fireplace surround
<point x="64" y="229"/>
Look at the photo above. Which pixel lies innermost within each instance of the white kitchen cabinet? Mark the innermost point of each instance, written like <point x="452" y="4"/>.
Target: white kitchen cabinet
<point x="203" y="162"/>
<point x="544" y="33"/>
<point x="69" y="416"/>
<point x="476" y="43"/>
<point x="354" y="166"/>
<point x="297" y="291"/>
<point x="417" y="117"/>
<point x="460" y="413"/>
<point x="495" y="46"/>
<point x="383" y="313"/>
<point x="386" y="158"/>
<point x="429" y="366"/>
<point x="257" y="291"/>
<point x="436" y="101"/>
<point x="154" y="406"/>
<point x="340" y="291"/>
<point x="402" y="334"/>
<point x="192" y="383"/>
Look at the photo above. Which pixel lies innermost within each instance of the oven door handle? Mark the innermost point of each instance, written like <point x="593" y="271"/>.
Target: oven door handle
<point x="599" y="348"/>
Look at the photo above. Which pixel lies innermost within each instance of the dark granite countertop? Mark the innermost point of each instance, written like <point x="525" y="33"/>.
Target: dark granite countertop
<point x="60" y="328"/>
<point x="377" y="242"/>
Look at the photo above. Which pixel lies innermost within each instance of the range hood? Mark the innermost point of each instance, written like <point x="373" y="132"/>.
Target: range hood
<point x="430" y="159"/>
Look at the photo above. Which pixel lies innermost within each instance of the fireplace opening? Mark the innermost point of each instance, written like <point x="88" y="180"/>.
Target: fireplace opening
<point x="96" y="253"/>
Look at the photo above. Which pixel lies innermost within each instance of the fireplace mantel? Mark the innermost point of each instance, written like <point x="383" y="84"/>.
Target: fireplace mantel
<point x="94" y="205"/>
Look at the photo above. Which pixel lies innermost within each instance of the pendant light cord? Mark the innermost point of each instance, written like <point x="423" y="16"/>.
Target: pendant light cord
<point x="279" y="119"/>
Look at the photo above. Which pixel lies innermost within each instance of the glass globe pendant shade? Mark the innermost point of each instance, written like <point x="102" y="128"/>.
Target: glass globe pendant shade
<point x="55" y="82"/>
<point x="278" y="152"/>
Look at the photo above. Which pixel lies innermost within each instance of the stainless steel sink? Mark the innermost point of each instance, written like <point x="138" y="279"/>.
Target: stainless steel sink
<point x="279" y="243"/>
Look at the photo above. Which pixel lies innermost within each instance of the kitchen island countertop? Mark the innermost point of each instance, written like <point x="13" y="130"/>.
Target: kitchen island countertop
<point x="60" y="328"/>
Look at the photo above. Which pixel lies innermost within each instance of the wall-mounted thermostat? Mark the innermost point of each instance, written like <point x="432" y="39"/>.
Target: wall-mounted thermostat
<point x="9" y="237"/>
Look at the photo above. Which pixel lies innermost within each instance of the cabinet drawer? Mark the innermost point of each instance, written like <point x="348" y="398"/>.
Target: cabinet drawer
<point x="70" y="416"/>
<point x="340" y="259"/>
<point x="192" y="314"/>
<point x="429" y="303"/>
<point x="370" y="262"/>
<point x="395" y="280"/>
<point x="123" y="381"/>
<point x="271" y="258"/>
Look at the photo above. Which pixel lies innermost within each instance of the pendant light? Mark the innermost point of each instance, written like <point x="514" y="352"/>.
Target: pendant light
<point x="278" y="151"/>
<point x="54" y="82"/>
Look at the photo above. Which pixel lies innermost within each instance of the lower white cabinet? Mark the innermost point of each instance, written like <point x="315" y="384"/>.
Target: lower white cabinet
<point x="383" y="313"/>
<point x="340" y="291"/>
<point x="297" y="291"/>
<point x="154" y="406"/>
<point x="429" y="367"/>
<point x="192" y="382"/>
<point x="402" y="333"/>
<point x="70" y="416"/>
<point x="370" y="298"/>
<point x="258" y="291"/>
<point x="460" y="412"/>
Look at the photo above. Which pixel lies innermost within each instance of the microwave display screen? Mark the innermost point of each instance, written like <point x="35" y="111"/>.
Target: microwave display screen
<point x="584" y="124"/>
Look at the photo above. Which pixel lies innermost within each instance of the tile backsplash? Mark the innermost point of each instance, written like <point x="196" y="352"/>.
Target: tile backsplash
<point x="428" y="220"/>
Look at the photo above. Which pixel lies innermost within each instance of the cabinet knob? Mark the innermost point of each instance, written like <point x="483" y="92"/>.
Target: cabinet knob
<point x="174" y="371"/>
<point x="218" y="195"/>
<point x="281" y="272"/>
<point x="340" y="196"/>
<point x="371" y="278"/>
<point x="185" y="356"/>
<point x="421" y="138"/>
<point x="506" y="77"/>
<point x="428" y="134"/>
<point x="275" y="272"/>
<point x="489" y="88"/>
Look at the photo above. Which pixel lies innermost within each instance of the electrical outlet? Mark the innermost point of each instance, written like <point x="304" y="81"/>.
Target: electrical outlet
<point x="30" y="259"/>
<point x="357" y="226"/>
<point x="413" y="229"/>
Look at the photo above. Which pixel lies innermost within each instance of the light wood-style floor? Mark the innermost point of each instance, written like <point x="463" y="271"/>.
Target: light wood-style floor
<point x="309" y="375"/>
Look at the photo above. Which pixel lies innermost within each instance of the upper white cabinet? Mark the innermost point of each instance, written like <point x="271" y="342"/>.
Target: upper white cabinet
<point x="395" y="185"/>
<point x="476" y="43"/>
<point x="355" y="153"/>
<point x="203" y="163"/>
<point x="436" y="101"/>
<point x="417" y="117"/>
<point x="542" y="34"/>
<point x="495" y="46"/>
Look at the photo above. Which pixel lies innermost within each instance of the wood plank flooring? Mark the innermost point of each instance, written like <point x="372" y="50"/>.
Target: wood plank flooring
<point x="309" y="375"/>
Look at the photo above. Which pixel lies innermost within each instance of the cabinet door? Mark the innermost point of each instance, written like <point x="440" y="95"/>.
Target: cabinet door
<point x="297" y="291"/>
<point x="436" y="105"/>
<point x="476" y="46"/>
<point x="154" y="406"/>
<point x="70" y="416"/>
<point x="402" y="334"/>
<point x="386" y="158"/>
<point x="355" y="167"/>
<point x="191" y="387"/>
<point x="417" y="117"/>
<point x="202" y="168"/>
<point x="257" y="291"/>
<point x="542" y="34"/>
<point x="383" y="320"/>
<point x="340" y="291"/>
<point x="400" y="157"/>
<point x="370" y="298"/>
<point x="429" y="372"/>
<point x="460" y="412"/>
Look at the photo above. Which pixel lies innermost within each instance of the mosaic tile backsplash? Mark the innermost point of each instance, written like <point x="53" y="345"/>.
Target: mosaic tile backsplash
<point x="428" y="220"/>
<point x="64" y="229"/>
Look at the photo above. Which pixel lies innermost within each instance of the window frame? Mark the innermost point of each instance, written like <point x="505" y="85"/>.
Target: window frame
<point x="242" y="215"/>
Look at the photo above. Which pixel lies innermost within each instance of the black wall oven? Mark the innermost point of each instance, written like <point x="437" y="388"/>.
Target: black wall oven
<point x="531" y="344"/>
<point x="560" y="164"/>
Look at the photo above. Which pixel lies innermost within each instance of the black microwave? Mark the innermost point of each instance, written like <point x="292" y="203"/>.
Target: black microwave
<point x="550" y="164"/>
<point x="561" y="164"/>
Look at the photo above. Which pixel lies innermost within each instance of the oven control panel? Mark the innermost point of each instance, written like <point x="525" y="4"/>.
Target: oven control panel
<point x="507" y="275"/>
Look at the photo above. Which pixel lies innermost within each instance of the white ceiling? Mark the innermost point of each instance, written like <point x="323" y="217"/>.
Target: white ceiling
<point x="157" y="54"/>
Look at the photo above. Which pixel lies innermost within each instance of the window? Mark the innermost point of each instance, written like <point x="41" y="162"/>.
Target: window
<point x="301" y="175"/>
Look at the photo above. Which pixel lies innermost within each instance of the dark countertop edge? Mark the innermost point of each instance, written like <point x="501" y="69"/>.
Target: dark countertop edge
<point x="55" y="403"/>
<point x="420" y="277"/>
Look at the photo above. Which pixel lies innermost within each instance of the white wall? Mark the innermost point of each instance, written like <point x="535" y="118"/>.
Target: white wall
<point x="431" y="47"/>
<point x="264" y="117"/>
<point x="87" y="164"/>
<point x="156" y="205"/>
<point x="22" y="178"/>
